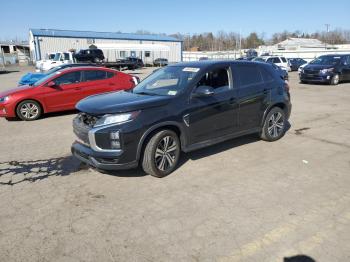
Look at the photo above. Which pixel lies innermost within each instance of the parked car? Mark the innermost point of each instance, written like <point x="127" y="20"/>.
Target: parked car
<point x="181" y="107"/>
<point x="160" y="62"/>
<point x="31" y="78"/>
<point x="280" y="61"/>
<point x="134" y="62"/>
<point x="282" y="72"/>
<point x="295" y="63"/>
<point x="61" y="90"/>
<point x="59" y="59"/>
<point x="48" y="57"/>
<point x="330" y="69"/>
<point x="89" y="55"/>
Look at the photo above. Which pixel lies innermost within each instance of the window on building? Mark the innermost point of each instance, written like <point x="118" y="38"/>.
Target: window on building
<point x="147" y="53"/>
<point x="122" y="54"/>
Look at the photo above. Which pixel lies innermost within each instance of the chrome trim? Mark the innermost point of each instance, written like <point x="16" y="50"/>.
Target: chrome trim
<point x="92" y="140"/>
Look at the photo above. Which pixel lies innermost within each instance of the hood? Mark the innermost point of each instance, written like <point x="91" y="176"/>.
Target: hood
<point x="318" y="67"/>
<point x="119" y="102"/>
<point x="15" y="90"/>
<point x="31" y="78"/>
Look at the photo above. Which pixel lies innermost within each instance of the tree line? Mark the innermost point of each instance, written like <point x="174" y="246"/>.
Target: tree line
<point x="222" y="41"/>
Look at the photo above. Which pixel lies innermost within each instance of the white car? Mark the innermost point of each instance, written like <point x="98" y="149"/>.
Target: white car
<point x="280" y="61"/>
<point x="59" y="59"/>
<point x="48" y="57"/>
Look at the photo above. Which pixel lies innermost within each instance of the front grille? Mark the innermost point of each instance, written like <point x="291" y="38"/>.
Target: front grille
<point x="311" y="72"/>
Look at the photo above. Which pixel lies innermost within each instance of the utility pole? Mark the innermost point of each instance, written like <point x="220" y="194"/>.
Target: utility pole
<point x="327" y="34"/>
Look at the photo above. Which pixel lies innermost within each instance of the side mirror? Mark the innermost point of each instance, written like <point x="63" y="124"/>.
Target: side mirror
<point x="203" y="91"/>
<point x="51" y="84"/>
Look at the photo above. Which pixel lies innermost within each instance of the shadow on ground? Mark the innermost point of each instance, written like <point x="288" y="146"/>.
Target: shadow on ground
<point x="195" y="155"/>
<point x="15" y="172"/>
<point x="299" y="258"/>
<point x="8" y="71"/>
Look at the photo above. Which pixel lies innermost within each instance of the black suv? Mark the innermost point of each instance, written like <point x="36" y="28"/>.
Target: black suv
<point x="330" y="69"/>
<point x="90" y="55"/>
<point x="180" y="107"/>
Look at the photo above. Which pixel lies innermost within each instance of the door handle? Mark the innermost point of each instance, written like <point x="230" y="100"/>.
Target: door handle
<point x="77" y="88"/>
<point x="111" y="84"/>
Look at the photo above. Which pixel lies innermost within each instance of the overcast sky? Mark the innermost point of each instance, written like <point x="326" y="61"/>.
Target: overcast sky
<point x="184" y="16"/>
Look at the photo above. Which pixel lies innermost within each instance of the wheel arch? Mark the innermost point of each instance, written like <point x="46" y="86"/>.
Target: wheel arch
<point x="30" y="99"/>
<point x="281" y="105"/>
<point x="174" y="126"/>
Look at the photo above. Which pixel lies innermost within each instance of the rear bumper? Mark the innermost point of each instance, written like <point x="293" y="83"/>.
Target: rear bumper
<point x="103" y="162"/>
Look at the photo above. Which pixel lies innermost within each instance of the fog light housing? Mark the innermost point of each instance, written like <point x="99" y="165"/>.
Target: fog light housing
<point x="115" y="139"/>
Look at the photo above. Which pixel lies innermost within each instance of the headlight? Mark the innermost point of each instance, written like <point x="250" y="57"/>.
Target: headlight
<point x="116" y="119"/>
<point x="325" y="71"/>
<point x="4" y="99"/>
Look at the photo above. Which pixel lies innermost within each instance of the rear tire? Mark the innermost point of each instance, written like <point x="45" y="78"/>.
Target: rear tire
<point x="161" y="154"/>
<point x="29" y="110"/>
<point x="274" y="125"/>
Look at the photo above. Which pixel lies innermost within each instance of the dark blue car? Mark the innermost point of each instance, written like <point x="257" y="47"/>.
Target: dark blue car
<point x="330" y="69"/>
<point x="31" y="78"/>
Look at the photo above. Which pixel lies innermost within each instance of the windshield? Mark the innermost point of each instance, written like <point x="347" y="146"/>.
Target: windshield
<point x="50" y="56"/>
<point x="53" y="70"/>
<point x="57" y="57"/>
<point x="326" y="60"/>
<point x="259" y="59"/>
<point x="168" y="81"/>
<point x="44" y="79"/>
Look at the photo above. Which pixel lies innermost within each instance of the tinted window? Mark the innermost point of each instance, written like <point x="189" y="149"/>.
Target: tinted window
<point x="283" y="60"/>
<point x="93" y="75"/>
<point x="110" y="74"/>
<point x="69" y="78"/>
<point x="276" y="60"/>
<point x="249" y="75"/>
<point x="217" y="79"/>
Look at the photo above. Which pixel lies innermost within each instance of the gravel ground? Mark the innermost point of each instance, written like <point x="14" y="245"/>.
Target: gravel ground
<point x="242" y="200"/>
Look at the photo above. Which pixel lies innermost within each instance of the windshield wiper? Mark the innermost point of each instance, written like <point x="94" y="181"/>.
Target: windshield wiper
<point x="146" y="93"/>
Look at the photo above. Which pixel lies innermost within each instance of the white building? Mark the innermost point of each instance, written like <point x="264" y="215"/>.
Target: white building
<point x="114" y="45"/>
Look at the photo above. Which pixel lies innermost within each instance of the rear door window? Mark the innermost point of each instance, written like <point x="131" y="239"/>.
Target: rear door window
<point x="94" y="75"/>
<point x="284" y="60"/>
<point x="249" y="75"/>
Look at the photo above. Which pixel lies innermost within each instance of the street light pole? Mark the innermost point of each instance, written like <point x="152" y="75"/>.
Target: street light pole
<point x="327" y="34"/>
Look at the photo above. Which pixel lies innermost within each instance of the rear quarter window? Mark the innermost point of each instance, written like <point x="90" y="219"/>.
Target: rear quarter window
<point x="284" y="60"/>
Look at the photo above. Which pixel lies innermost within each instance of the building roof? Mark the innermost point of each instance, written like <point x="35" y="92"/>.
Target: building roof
<point x="101" y="35"/>
<point x="301" y="42"/>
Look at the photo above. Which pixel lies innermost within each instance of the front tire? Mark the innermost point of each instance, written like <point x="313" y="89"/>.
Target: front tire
<point x="161" y="154"/>
<point x="335" y="80"/>
<point x="28" y="110"/>
<point x="274" y="125"/>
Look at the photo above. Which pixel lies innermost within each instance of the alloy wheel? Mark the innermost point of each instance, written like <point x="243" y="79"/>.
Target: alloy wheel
<point x="275" y="125"/>
<point x="165" y="154"/>
<point x="29" y="110"/>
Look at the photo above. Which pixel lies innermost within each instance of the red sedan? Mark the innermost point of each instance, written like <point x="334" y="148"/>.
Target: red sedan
<point x="61" y="90"/>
